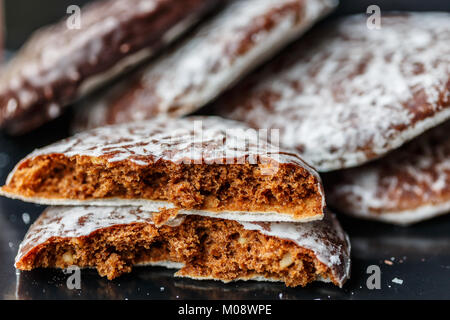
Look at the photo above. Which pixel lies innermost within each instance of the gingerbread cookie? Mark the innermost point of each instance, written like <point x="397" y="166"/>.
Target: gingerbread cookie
<point x="114" y="239"/>
<point x="233" y="42"/>
<point x="408" y="185"/>
<point x="59" y="64"/>
<point x="200" y="165"/>
<point x="345" y="94"/>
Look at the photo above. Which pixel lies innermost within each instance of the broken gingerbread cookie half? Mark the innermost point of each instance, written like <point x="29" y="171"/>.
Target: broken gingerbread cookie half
<point x="114" y="239"/>
<point x="197" y="165"/>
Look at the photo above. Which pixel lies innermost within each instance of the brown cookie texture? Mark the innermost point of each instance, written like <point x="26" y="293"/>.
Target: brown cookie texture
<point x="410" y="184"/>
<point x="222" y="50"/>
<point x="346" y="94"/>
<point x="114" y="239"/>
<point x="199" y="165"/>
<point x="59" y="64"/>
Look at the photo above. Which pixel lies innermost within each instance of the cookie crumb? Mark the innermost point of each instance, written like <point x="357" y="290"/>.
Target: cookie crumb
<point x="26" y="218"/>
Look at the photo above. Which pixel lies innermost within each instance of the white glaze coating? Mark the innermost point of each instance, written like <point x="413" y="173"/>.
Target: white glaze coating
<point x="207" y="62"/>
<point x="325" y="238"/>
<point x="186" y="140"/>
<point x="408" y="185"/>
<point x="346" y="94"/>
<point x="189" y="140"/>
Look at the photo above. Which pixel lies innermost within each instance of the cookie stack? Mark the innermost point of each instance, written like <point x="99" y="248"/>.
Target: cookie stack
<point x="202" y="194"/>
<point x="208" y="196"/>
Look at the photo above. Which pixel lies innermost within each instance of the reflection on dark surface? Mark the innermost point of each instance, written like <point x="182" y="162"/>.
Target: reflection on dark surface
<point x="416" y="248"/>
<point x="157" y="283"/>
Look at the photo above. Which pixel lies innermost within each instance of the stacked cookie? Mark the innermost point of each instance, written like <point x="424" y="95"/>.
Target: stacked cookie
<point x="208" y="61"/>
<point x="219" y="197"/>
<point x="203" y="194"/>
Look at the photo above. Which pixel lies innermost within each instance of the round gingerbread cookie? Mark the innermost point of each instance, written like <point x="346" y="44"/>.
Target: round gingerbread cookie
<point x="346" y="94"/>
<point x="408" y="185"/>
<point x="221" y="51"/>
<point x="114" y="239"/>
<point x="62" y="63"/>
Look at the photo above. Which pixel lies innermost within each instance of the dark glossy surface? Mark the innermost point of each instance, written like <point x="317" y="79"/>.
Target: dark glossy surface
<point x="420" y="254"/>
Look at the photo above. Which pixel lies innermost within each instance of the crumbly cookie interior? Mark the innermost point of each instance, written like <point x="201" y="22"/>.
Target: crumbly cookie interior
<point x="214" y="187"/>
<point x="208" y="248"/>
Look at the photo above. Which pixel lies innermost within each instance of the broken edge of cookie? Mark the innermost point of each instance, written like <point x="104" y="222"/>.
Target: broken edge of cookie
<point x="161" y="163"/>
<point x="114" y="239"/>
<point x="59" y="65"/>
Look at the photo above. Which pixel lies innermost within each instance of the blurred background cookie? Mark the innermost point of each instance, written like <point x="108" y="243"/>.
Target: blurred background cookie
<point x="60" y="64"/>
<point x="347" y="94"/>
<point x="408" y="185"/>
<point x="234" y="41"/>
